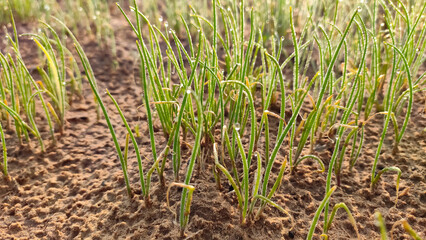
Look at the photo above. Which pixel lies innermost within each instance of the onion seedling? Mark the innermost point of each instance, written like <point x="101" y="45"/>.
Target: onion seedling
<point x="318" y="213"/>
<point x="391" y="94"/>
<point x="380" y="222"/>
<point x="22" y="89"/>
<point x="407" y="229"/>
<point x="186" y="198"/>
<point x="92" y="81"/>
<point x="145" y="180"/>
<point x="3" y="142"/>
<point x="54" y="80"/>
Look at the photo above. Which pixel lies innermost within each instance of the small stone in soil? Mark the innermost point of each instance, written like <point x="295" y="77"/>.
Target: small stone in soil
<point x="290" y="234"/>
<point x="15" y="227"/>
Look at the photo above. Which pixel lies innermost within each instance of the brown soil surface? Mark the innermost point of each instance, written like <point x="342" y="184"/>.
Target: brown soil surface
<point x="76" y="189"/>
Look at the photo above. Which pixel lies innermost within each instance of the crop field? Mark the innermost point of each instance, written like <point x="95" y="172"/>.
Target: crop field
<point x="213" y="119"/>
